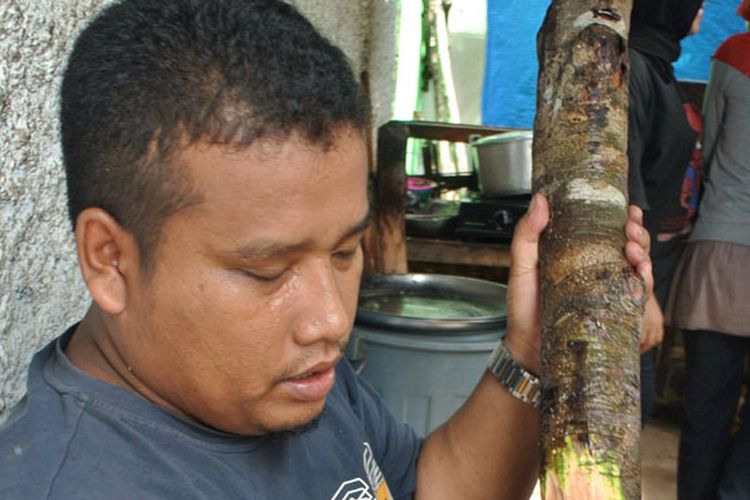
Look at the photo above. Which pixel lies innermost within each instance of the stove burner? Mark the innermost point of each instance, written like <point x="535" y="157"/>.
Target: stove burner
<point x="491" y="219"/>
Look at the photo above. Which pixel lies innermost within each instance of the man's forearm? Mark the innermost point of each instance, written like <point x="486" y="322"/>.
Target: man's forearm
<point x="487" y="450"/>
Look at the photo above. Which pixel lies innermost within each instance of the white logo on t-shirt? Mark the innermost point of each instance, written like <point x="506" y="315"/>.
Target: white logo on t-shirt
<point x="354" y="489"/>
<point x="358" y="489"/>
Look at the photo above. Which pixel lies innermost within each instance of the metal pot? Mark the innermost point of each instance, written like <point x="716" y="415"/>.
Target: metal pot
<point x="503" y="163"/>
<point x="430" y="225"/>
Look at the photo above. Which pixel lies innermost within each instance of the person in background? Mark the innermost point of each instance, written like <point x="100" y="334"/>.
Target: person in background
<point x="663" y="131"/>
<point x="216" y="162"/>
<point x="709" y="298"/>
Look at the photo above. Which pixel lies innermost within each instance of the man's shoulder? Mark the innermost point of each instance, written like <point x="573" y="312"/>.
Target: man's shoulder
<point x="34" y="440"/>
<point x="78" y="448"/>
<point x="38" y="435"/>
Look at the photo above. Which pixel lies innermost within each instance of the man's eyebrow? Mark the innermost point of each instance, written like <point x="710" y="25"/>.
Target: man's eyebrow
<point x="359" y="227"/>
<point x="260" y="251"/>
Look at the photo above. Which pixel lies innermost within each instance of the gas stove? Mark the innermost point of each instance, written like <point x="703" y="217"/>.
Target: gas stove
<point x="490" y="219"/>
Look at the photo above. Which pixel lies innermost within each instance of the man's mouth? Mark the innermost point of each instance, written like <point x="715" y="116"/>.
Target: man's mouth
<point x="305" y="375"/>
<point x="313" y="384"/>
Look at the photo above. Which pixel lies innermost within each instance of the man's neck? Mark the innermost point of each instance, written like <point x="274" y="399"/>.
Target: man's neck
<point x="92" y="351"/>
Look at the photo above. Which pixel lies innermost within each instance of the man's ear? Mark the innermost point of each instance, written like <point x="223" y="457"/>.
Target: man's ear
<point x="107" y="255"/>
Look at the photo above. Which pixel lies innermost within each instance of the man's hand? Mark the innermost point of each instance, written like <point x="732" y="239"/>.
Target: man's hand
<point x="637" y="247"/>
<point x="524" y="300"/>
<point x="652" y="332"/>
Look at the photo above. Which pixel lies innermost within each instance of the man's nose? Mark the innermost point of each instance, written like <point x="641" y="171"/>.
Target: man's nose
<point x="324" y="315"/>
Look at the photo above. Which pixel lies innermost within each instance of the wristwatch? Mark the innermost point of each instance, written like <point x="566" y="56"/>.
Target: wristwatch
<point x="521" y="383"/>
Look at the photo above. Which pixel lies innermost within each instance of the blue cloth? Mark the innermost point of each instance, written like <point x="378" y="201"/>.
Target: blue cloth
<point x="509" y="89"/>
<point x="712" y="464"/>
<point x="720" y="20"/>
<point x="75" y="437"/>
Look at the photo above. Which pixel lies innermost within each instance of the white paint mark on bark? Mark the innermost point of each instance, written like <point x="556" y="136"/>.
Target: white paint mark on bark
<point x="556" y="107"/>
<point x="549" y="94"/>
<point x="587" y="19"/>
<point x="587" y="192"/>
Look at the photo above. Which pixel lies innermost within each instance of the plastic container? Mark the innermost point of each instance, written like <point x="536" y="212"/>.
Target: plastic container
<point x="423" y="365"/>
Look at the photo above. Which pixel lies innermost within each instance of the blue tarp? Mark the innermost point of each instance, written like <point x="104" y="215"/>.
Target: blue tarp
<point x="509" y="90"/>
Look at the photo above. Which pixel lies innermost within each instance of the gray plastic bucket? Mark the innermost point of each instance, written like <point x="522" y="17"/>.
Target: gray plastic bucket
<point x="425" y="369"/>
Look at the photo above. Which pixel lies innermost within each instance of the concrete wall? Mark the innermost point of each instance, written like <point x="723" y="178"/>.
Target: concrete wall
<point x="41" y="292"/>
<point x="40" y="288"/>
<point x="366" y="31"/>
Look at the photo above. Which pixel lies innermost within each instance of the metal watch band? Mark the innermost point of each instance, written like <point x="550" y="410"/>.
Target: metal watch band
<point x="521" y="383"/>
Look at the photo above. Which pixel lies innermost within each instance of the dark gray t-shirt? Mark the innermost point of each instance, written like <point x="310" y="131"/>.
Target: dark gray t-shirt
<point x="75" y="437"/>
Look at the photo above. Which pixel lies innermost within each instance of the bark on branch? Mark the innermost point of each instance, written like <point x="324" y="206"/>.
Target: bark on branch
<point x="592" y="300"/>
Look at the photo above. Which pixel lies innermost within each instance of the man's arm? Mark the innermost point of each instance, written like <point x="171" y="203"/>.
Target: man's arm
<point x="490" y="447"/>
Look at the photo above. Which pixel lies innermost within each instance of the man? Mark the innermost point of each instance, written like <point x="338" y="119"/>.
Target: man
<point x="217" y="178"/>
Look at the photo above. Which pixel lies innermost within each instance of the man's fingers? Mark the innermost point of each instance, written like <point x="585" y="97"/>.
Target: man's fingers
<point x="639" y="259"/>
<point x="635" y="214"/>
<point x="635" y="231"/>
<point x="651" y="340"/>
<point x="638" y="245"/>
<point x="525" y="245"/>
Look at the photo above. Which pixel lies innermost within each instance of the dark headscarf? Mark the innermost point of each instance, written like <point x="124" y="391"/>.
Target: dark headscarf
<point x="657" y="26"/>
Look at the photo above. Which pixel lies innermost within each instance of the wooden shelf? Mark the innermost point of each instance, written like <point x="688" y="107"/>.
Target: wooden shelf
<point x="457" y="252"/>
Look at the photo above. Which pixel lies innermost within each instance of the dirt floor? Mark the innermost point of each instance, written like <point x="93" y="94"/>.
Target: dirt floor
<point x="659" y="459"/>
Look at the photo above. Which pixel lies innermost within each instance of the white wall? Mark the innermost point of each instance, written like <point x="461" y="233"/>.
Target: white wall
<point x="467" y="26"/>
<point x="41" y="292"/>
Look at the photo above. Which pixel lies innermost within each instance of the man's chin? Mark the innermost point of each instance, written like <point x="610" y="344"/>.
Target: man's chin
<point x="295" y="429"/>
<point x="283" y="422"/>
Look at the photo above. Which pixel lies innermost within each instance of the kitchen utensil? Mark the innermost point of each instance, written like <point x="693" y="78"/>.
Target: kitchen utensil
<point x="503" y="163"/>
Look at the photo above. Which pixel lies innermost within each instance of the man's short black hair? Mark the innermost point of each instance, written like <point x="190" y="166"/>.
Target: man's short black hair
<point x="146" y="78"/>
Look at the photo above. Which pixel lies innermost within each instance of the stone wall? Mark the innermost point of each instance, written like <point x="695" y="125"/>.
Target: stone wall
<point x="40" y="289"/>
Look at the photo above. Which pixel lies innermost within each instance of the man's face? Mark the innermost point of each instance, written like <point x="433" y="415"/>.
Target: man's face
<point x="254" y="290"/>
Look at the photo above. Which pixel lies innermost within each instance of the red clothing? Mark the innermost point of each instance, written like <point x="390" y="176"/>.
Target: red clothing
<point x="734" y="52"/>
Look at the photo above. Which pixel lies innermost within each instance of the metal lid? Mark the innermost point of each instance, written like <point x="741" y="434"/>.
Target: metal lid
<point x="431" y="303"/>
<point x="516" y="135"/>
